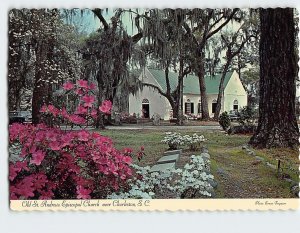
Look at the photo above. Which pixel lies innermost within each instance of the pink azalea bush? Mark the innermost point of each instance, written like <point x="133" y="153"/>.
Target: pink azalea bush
<point x="65" y="164"/>
<point x="86" y="111"/>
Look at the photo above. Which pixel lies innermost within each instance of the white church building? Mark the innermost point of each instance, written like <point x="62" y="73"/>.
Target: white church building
<point x="148" y="101"/>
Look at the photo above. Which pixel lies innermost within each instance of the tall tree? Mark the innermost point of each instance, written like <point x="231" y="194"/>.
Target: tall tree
<point x="205" y="23"/>
<point x="233" y="42"/>
<point x="277" y="124"/>
<point x="169" y="43"/>
<point x="45" y="56"/>
<point x="108" y="54"/>
<point x="250" y="80"/>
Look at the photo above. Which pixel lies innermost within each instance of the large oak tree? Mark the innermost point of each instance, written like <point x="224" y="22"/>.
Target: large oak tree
<point x="277" y="124"/>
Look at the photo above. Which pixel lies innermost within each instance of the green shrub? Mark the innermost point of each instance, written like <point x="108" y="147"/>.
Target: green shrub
<point x="246" y="116"/>
<point x="224" y="121"/>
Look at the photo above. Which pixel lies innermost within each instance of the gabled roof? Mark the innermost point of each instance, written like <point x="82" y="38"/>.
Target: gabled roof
<point x="190" y="82"/>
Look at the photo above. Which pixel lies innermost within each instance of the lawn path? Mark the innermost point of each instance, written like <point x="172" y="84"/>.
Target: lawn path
<point x="239" y="177"/>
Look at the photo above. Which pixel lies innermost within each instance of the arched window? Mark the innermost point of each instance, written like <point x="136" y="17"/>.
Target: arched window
<point x="145" y="101"/>
<point x="213" y="106"/>
<point x="235" y="105"/>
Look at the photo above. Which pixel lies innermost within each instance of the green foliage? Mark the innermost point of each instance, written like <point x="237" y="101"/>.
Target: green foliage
<point x="250" y="80"/>
<point x="224" y="121"/>
<point x="246" y="116"/>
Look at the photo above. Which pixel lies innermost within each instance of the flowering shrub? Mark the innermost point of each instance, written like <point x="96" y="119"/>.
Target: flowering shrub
<point x="193" y="177"/>
<point x="47" y="162"/>
<point x="85" y="112"/>
<point x="176" y="181"/>
<point x="192" y="116"/>
<point x="194" y="141"/>
<point x="175" y="140"/>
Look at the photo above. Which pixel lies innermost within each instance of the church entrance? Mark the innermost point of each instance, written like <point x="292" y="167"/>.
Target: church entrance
<point x="145" y="108"/>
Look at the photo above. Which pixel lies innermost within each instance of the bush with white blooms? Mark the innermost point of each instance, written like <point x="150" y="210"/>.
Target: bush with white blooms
<point x="176" y="140"/>
<point x="147" y="185"/>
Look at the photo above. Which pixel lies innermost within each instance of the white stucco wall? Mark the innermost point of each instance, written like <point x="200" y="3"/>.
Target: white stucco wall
<point x="234" y="91"/>
<point x="157" y="103"/>
<point x="195" y="99"/>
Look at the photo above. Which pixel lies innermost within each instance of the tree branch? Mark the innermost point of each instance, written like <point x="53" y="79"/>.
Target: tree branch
<point x="187" y="71"/>
<point x="222" y="25"/>
<point x="137" y="37"/>
<point x="189" y="32"/>
<point x="98" y="13"/>
<point x="242" y="45"/>
<point x="224" y="39"/>
<point x="156" y="88"/>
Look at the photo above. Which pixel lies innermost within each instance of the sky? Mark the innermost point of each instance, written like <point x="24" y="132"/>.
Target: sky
<point x="89" y="23"/>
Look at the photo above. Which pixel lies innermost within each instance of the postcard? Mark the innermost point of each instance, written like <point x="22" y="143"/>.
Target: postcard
<point x="153" y="109"/>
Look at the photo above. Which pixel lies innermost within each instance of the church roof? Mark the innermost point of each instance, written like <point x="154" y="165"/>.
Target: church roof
<point x="190" y="82"/>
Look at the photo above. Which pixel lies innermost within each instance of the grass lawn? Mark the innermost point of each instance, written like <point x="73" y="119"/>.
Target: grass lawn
<point x="236" y="172"/>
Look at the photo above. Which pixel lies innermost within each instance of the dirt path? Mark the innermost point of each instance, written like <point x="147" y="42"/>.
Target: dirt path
<point x="238" y="176"/>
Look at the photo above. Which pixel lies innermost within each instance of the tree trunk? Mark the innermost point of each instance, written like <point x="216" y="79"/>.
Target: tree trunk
<point x="204" y="104"/>
<point x="40" y="89"/>
<point x="99" y="124"/>
<point x="221" y="91"/>
<point x="277" y="125"/>
<point x="175" y="110"/>
<point x="179" y="99"/>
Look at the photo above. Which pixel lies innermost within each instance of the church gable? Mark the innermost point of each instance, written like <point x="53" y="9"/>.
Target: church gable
<point x="191" y="82"/>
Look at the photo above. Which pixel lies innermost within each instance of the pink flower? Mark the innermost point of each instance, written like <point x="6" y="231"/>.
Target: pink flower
<point x="82" y="83"/>
<point x="24" y="187"/>
<point x="64" y="151"/>
<point x="81" y="110"/>
<point x="55" y="145"/>
<point x="21" y="165"/>
<point x="53" y="110"/>
<point x="106" y="106"/>
<point x="92" y="86"/>
<point x="40" y="136"/>
<point x="51" y="136"/>
<point x="94" y="113"/>
<point x="14" y="130"/>
<point x="127" y="159"/>
<point x="46" y="195"/>
<point x="38" y="157"/>
<point x="140" y="155"/>
<point x="66" y="139"/>
<point x="88" y="100"/>
<point x="64" y="113"/>
<point x="68" y="86"/>
<point x="44" y="108"/>
<point x="79" y="91"/>
<point x="13" y="172"/>
<point x="83" y="193"/>
<point x="77" y="119"/>
<point x="127" y="150"/>
<point x="40" y="180"/>
<point x="83" y="135"/>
